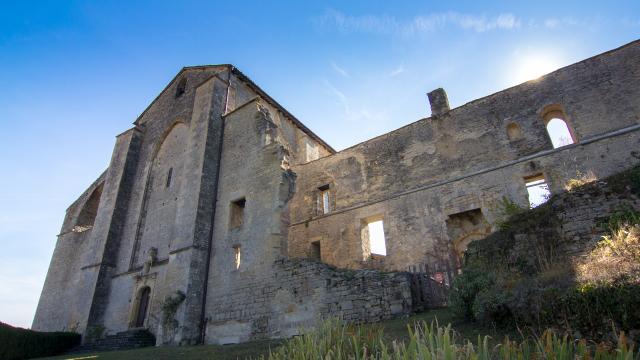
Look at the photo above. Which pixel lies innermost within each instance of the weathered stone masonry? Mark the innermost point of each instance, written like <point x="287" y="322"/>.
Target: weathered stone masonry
<point x="420" y="177"/>
<point x="201" y="226"/>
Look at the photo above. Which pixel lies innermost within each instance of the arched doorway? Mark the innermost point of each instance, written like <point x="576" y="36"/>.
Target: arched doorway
<point x="142" y="306"/>
<point x="463" y="228"/>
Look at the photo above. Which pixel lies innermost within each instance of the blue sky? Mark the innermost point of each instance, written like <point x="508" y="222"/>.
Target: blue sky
<point x="73" y="74"/>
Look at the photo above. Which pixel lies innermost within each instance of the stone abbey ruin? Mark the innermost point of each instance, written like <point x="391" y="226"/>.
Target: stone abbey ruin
<point x="222" y="218"/>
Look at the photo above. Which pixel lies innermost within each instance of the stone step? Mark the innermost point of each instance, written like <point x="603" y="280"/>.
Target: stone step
<point x="130" y="339"/>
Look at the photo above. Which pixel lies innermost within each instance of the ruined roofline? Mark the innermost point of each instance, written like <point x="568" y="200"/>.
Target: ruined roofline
<point x="255" y="88"/>
<point x="88" y="190"/>
<point x="608" y="52"/>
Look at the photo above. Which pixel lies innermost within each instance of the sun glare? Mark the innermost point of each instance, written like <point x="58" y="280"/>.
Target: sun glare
<point x="532" y="67"/>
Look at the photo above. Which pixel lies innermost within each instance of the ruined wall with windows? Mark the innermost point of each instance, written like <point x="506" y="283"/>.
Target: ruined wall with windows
<point x="190" y="231"/>
<point x="436" y="183"/>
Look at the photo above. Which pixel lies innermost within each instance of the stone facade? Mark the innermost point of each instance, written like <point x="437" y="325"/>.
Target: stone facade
<point x="420" y="178"/>
<point x="202" y="225"/>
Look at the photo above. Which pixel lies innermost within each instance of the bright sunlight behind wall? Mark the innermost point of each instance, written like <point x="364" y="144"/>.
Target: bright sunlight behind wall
<point x="538" y="191"/>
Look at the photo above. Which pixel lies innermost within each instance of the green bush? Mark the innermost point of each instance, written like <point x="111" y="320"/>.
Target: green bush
<point x="18" y="343"/>
<point x="465" y="289"/>
<point x="596" y="307"/>
<point x="594" y="310"/>
<point x="492" y="305"/>
<point x="625" y="216"/>
<point x="521" y="275"/>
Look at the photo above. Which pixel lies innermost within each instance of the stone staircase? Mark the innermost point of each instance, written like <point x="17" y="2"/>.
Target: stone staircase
<point x="130" y="339"/>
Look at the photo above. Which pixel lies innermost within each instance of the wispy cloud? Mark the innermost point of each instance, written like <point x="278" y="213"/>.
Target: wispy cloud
<point x="340" y="70"/>
<point x="384" y="24"/>
<point x="554" y="23"/>
<point x="397" y="71"/>
<point x="349" y="113"/>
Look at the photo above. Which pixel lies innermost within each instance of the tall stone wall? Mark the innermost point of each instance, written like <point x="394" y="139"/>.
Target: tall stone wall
<point x="297" y="294"/>
<point x="154" y="223"/>
<point x="71" y="248"/>
<point x="420" y="177"/>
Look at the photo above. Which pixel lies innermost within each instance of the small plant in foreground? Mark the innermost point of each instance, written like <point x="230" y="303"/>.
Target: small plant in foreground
<point x="336" y="341"/>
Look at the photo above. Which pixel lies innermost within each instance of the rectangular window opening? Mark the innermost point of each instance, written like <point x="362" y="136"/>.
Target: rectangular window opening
<point x="316" y="251"/>
<point x="537" y="189"/>
<point x="324" y="199"/>
<point x="376" y="238"/>
<point x="237" y="213"/>
<point x="236" y="256"/>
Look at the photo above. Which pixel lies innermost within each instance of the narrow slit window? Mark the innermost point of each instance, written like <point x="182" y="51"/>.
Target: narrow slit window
<point x="538" y="190"/>
<point x="237" y="213"/>
<point x="324" y="199"/>
<point x="169" y="175"/>
<point x="236" y="256"/>
<point x="376" y="238"/>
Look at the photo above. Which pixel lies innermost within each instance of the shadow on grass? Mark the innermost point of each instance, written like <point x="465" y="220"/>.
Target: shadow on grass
<point x="395" y="329"/>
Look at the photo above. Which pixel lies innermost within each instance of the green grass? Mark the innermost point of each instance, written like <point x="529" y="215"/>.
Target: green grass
<point x="217" y="352"/>
<point x="395" y="329"/>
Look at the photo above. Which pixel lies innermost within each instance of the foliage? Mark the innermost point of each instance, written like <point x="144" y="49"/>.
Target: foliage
<point x="17" y="343"/>
<point x="604" y="292"/>
<point x="465" y="288"/>
<point x="580" y="180"/>
<point x="504" y="209"/>
<point x="333" y="340"/>
<point x="170" y="307"/>
<point x="538" y="286"/>
<point x="626" y="216"/>
<point x="626" y="181"/>
<point x="615" y="258"/>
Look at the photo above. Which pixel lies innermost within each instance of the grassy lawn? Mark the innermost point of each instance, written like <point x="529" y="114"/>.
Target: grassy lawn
<point x="393" y="330"/>
<point x="217" y="352"/>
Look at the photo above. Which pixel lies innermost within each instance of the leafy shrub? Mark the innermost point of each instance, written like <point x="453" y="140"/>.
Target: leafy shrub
<point x="17" y="343"/>
<point x="521" y="275"/>
<point x="624" y="217"/>
<point x="336" y="341"/>
<point x="491" y="305"/>
<point x="594" y="309"/>
<point x="465" y="289"/>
